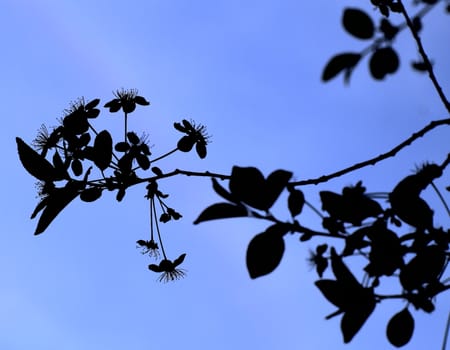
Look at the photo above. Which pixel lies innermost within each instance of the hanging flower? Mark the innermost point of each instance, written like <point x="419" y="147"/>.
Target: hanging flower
<point x="195" y="135"/>
<point x="127" y="100"/>
<point x="168" y="269"/>
<point x="149" y="247"/>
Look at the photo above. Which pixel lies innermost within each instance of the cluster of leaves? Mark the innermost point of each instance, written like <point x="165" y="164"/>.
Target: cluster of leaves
<point x="384" y="59"/>
<point x="417" y="259"/>
<point x="63" y="160"/>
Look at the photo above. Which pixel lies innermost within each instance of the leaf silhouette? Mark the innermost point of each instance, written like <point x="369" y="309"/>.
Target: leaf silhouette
<point x="265" y="251"/>
<point x="249" y="186"/>
<point x="342" y="62"/>
<point x="56" y="202"/>
<point x="354" y="318"/>
<point x="222" y="191"/>
<point x="103" y="150"/>
<point x="36" y="164"/>
<point x="296" y="201"/>
<point x="91" y="194"/>
<point x="400" y="328"/>
<point x="221" y="211"/>
<point x="358" y="23"/>
<point x="383" y="61"/>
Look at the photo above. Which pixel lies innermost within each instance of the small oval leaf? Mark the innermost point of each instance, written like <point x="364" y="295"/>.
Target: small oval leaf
<point x="103" y="150"/>
<point x="400" y="328"/>
<point x="264" y="253"/>
<point x="339" y="63"/>
<point x="221" y="211"/>
<point x="358" y="23"/>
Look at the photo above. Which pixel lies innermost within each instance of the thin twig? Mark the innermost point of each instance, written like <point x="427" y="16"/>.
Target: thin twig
<point x="424" y="55"/>
<point x="373" y="161"/>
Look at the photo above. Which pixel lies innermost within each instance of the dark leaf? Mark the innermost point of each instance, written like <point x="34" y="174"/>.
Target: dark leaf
<point x="383" y="61"/>
<point x="36" y="164"/>
<point x="341" y="271"/>
<point x="358" y="23"/>
<point x="91" y="194"/>
<point x="247" y="185"/>
<point x="400" y="328"/>
<point x="264" y="252"/>
<point x="56" y="202"/>
<point x="221" y="211"/>
<point x="275" y="184"/>
<point x="41" y="205"/>
<point x="222" y="191"/>
<point x="386" y="254"/>
<point x="389" y="30"/>
<point x="77" y="167"/>
<point x="296" y="201"/>
<point x="103" y="150"/>
<point x="424" y="268"/>
<point x="339" y="63"/>
<point x="354" y="318"/>
<point x="334" y="292"/>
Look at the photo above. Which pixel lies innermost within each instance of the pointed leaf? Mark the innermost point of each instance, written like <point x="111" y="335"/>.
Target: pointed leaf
<point x="341" y="271"/>
<point x="400" y="328"/>
<point x="275" y="184"/>
<point x="358" y="23"/>
<point x="36" y="164"/>
<point x="222" y="191"/>
<point x="354" y="319"/>
<point x="221" y="211"/>
<point x="56" y="202"/>
<point x="334" y="292"/>
<point x="344" y="62"/>
<point x="264" y="253"/>
<point x="247" y="185"/>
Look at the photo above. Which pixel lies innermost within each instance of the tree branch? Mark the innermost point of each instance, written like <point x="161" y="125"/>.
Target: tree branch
<point x="373" y="161"/>
<point x="425" y="58"/>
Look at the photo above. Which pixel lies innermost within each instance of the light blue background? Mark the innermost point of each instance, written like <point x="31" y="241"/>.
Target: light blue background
<point x="249" y="70"/>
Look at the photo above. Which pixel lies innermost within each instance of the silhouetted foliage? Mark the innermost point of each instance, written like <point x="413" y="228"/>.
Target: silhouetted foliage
<point x="397" y="237"/>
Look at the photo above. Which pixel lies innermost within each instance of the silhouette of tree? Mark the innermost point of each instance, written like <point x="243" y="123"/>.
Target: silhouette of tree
<point x="399" y="240"/>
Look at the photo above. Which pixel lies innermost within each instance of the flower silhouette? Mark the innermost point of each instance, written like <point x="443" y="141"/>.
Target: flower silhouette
<point x="195" y="135"/>
<point x="127" y="100"/>
<point x="168" y="269"/>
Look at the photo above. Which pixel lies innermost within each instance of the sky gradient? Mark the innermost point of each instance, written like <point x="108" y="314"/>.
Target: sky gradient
<point x="250" y="71"/>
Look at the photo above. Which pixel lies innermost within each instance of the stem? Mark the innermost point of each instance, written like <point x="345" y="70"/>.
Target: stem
<point x="126" y="126"/>
<point x="444" y="343"/>
<point x="165" y="155"/>
<point x="157" y="230"/>
<point x="314" y="209"/>
<point x="425" y="58"/>
<point x="441" y="198"/>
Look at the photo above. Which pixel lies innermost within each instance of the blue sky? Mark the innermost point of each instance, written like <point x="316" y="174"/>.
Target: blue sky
<point x="250" y="71"/>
